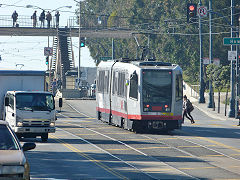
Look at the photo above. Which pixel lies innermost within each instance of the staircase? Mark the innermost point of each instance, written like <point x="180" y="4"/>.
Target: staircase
<point x="62" y="58"/>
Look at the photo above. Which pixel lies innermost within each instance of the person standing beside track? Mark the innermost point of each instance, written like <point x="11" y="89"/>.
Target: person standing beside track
<point x="187" y="109"/>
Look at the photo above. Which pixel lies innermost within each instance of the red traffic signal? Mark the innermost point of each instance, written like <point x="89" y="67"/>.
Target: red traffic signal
<point x="191" y="8"/>
<point x="191" y="12"/>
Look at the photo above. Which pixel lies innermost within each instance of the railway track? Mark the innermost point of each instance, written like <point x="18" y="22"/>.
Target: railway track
<point x="170" y="155"/>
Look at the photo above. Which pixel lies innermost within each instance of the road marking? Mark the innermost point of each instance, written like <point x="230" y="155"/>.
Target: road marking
<point x="205" y="130"/>
<point x="214" y="124"/>
<point x="133" y="139"/>
<point x="90" y="129"/>
<point x="88" y="142"/>
<point x="86" y="134"/>
<point x="220" y="144"/>
<point x="97" y="162"/>
<point x="196" y="146"/>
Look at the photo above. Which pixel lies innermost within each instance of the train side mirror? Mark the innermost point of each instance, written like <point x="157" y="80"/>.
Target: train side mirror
<point x="6" y="101"/>
<point x="60" y="102"/>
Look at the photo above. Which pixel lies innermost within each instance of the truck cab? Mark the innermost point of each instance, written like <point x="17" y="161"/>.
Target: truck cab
<point x="30" y="113"/>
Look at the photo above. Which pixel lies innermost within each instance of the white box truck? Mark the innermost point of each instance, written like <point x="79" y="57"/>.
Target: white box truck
<point x="29" y="110"/>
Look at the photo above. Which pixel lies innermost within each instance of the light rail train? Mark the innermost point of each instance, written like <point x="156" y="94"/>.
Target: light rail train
<point x="140" y="95"/>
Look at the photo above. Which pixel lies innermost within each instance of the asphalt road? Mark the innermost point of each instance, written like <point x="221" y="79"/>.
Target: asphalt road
<point x="85" y="148"/>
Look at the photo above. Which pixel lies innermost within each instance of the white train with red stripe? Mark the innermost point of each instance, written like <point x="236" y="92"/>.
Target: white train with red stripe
<point x="140" y="95"/>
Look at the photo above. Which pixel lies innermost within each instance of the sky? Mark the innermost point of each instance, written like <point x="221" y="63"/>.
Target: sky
<point x="27" y="53"/>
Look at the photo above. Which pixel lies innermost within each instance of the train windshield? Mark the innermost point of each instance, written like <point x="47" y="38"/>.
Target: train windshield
<point x="157" y="90"/>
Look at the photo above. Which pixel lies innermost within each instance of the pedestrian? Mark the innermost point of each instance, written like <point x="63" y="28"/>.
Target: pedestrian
<point x="42" y="18"/>
<point x="34" y="18"/>
<point x="48" y="18"/>
<point x="187" y="109"/>
<point x="57" y="19"/>
<point x="15" y="17"/>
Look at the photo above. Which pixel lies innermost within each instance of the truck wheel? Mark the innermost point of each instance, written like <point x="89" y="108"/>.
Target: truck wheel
<point x="44" y="137"/>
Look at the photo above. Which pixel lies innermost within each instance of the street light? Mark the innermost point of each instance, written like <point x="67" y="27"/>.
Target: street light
<point x="62" y="7"/>
<point x="32" y="6"/>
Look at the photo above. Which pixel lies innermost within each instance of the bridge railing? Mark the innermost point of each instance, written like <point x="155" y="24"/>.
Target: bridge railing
<point x="87" y="22"/>
<point x="23" y="21"/>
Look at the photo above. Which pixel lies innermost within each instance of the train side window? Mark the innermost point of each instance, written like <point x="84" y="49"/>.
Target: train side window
<point x="133" y="92"/>
<point x="179" y="87"/>
<point x="106" y="81"/>
<point x="100" y="83"/>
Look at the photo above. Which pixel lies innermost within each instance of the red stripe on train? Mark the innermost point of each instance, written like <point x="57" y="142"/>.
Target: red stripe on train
<point x="140" y="117"/>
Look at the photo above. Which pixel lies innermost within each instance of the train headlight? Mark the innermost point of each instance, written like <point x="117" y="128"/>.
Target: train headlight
<point x="167" y="108"/>
<point x="147" y="107"/>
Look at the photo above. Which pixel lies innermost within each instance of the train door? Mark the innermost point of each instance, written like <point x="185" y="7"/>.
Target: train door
<point x="133" y="98"/>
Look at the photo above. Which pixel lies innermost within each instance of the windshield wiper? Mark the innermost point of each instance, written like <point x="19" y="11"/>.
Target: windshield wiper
<point x="25" y="108"/>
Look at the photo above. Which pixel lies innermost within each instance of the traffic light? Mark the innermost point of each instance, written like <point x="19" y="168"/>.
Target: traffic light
<point x="191" y="12"/>
<point x="82" y="42"/>
<point x="47" y="60"/>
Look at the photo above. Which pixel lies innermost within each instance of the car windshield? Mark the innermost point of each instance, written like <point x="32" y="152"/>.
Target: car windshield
<point x="157" y="86"/>
<point x="34" y="101"/>
<point x="7" y="141"/>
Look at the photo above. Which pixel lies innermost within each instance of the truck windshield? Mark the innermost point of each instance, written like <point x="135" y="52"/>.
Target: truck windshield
<point x="157" y="87"/>
<point x="35" y="101"/>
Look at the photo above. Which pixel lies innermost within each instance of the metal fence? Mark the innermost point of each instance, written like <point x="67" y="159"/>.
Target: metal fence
<point x="87" y="22"/>
<point x="24" y="21"/>
<point x="195" y="91"/>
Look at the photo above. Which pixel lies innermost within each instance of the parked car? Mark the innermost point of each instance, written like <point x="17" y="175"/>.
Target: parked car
<point x="13" y="163"/>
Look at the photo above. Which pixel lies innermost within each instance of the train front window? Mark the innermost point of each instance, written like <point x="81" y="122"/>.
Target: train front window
<point x="157" y="90"/>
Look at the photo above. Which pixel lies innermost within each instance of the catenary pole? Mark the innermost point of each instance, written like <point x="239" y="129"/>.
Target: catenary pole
<point x="79" y="44"/>
<point x="210" y="105"/>
<point x="201" y="90"/>
<point x="232" y="80"/>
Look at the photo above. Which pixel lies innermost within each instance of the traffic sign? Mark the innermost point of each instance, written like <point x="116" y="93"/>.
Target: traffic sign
<point x="232" y="55"/>
<point x="202" y="11"/>
<point x="105" y="58"/>
<point x="231" y="41"/>
<point x="48" y="51"/>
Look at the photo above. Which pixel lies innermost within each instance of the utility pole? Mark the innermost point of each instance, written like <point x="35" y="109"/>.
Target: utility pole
<point x="210" y="105"/>
<point x="237" y="73"/>
<point x="232" y="83"/>
<point x="201" y="90"/>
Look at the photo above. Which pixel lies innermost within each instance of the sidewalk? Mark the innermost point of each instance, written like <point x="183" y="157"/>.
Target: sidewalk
<point x="204" y="106"/>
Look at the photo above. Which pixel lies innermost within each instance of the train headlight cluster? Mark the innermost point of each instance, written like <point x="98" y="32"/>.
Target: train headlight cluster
<point x="156" y="108"/>
<point x="147" y="107"/>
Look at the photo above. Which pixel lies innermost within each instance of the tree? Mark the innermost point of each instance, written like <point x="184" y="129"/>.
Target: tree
<point x="220" y="76"/>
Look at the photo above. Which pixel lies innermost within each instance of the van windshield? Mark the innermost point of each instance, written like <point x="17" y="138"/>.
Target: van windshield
<point x="35" y="102"/>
